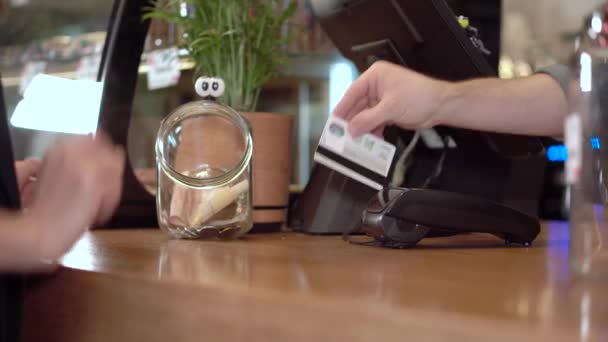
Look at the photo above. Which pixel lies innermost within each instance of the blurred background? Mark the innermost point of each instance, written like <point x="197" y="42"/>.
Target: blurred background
<point x="67" y="40"/>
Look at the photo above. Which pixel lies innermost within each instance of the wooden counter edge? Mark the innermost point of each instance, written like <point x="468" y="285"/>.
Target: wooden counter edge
<point x="76" y="305"/>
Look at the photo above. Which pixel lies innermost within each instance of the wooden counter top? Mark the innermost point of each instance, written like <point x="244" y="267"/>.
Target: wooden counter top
<point x="137" y="285"/>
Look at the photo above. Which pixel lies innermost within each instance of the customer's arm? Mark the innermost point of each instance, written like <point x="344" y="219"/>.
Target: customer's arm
<point x="390" y="94"/>
<point x="78" y="185"/>
<point x="20" y="243"/>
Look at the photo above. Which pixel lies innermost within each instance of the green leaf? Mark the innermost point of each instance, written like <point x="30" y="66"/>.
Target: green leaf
<point x="242" y="41"/>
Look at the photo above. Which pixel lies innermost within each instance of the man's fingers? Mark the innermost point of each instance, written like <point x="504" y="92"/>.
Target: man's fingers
<point x="26" y="194"/>
<point x="357" y="91"/>
<point x="369" y="120"/>
<point x="110" y="200"/>
<point x="25" y="170"/>
<point x="362" y="104"/>
<point x="379" y="132"/>
<point x="103" y="138"/>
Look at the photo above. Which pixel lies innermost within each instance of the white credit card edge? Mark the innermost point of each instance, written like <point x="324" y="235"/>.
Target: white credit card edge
<point x="323" y="160"/>
<point x="383" y="170"/>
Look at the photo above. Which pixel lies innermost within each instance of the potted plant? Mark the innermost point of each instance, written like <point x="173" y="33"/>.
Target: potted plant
<point x="243" y="42"/>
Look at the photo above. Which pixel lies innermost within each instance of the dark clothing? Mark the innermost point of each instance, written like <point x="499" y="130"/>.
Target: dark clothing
<point x="10" y="286"/>
<point x="560" y="73"/>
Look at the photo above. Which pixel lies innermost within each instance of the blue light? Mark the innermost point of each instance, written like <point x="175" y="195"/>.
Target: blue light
<point x="595" y="143"/>
<point x="557" y="153"/>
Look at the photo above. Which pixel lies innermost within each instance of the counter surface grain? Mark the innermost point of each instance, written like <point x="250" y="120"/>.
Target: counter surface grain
<point x="138" y="285"/>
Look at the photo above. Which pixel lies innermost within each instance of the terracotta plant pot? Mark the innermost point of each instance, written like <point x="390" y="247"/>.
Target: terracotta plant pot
<point x="272" y="160"/>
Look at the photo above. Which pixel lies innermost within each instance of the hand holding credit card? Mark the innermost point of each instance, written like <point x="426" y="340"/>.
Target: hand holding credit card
<point x="367" y="158"/>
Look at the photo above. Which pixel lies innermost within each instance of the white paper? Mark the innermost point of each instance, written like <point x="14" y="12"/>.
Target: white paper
<point x="163" y="69"/>
<point x="59" y="105"/>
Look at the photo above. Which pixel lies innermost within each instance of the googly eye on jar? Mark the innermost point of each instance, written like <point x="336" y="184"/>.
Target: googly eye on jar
<point x="203" y="154"/>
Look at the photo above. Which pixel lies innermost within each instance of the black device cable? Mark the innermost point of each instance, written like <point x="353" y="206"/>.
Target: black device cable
<point x="433" y="179"/>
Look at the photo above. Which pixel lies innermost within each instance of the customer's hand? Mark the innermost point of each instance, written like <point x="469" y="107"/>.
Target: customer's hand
<point x="390" y="94"/>
<point x="79" y="185"/>
<point x="27" y="174"/>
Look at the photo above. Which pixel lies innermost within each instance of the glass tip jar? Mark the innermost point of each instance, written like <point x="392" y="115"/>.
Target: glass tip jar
<point x="203" y="154"/>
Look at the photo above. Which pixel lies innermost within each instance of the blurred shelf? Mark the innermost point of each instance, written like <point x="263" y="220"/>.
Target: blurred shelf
<point x="13" y="79"/>
<point x="300" y="66"/>
<point x="78" y="7"/>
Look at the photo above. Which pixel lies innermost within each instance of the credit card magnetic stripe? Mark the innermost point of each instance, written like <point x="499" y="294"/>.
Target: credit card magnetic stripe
<point x="362" y="170"/>
<point x="348" y="172"/>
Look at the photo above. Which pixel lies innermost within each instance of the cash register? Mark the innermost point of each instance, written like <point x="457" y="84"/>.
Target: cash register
<point x="425" y="36"/>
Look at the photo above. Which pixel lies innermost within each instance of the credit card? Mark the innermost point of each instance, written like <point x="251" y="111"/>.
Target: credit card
<point x="366" y="158"/>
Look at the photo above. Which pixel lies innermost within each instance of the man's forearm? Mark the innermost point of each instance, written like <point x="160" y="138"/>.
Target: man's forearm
<point x="531" y="106"/>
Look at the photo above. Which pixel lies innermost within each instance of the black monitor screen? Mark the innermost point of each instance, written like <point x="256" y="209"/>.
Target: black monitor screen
<point x="10" y="286"/>
<point x="423" y="35"/>
<point x="486" y="16"/>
